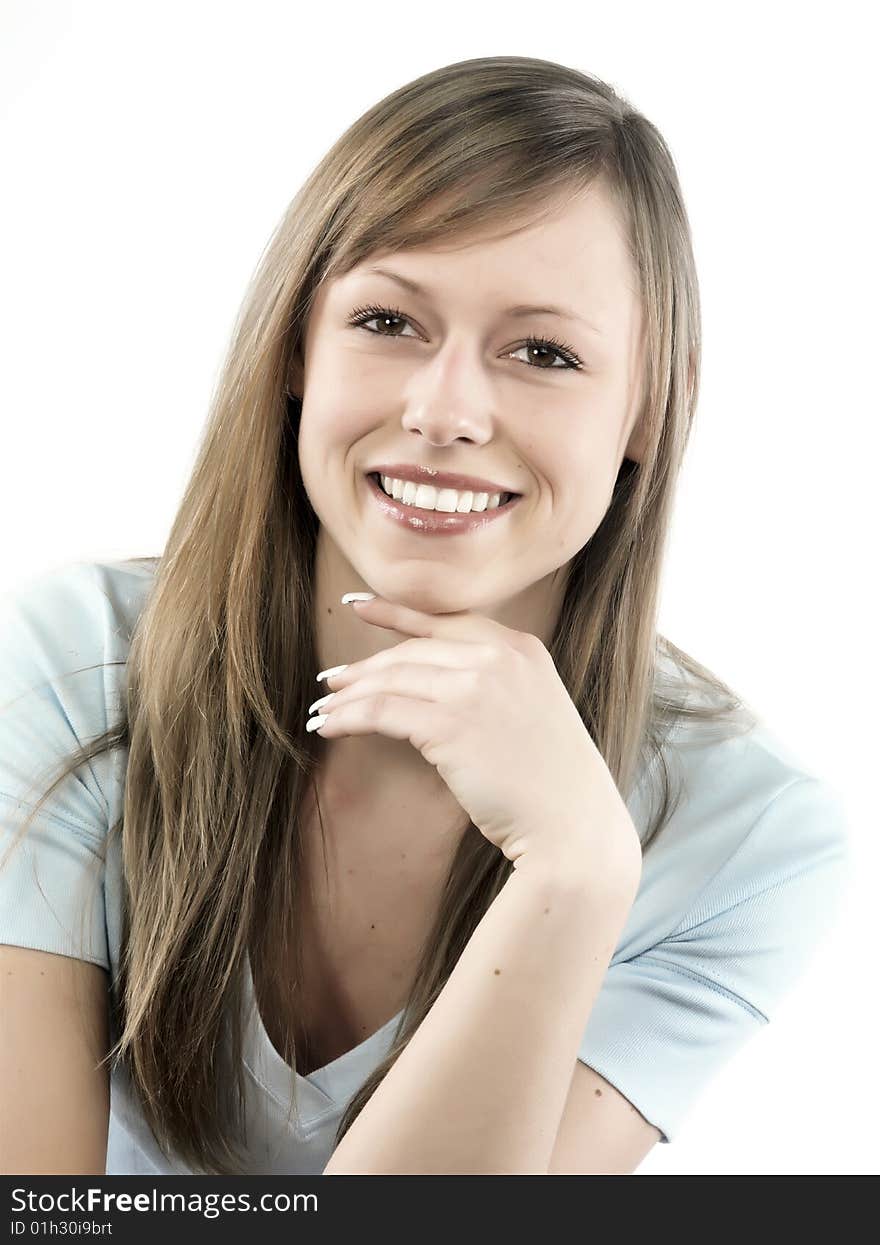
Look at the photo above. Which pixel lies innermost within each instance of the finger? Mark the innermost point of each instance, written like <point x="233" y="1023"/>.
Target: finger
<point x="402" y="679"/>
<point x="397" y="717"/>
<point x="459" y="624"/>
<point x="451" y="654"/>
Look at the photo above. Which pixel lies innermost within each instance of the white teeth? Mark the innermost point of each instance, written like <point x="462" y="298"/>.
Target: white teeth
<point x="449" y="500"/>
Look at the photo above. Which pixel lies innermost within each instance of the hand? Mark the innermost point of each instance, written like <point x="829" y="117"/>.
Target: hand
<point x="484" y="704"/>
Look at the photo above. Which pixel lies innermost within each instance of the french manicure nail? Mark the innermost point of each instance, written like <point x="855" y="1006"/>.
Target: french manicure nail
<point x="348" y="597"/>
<point x="328" y="674"/>
<point x="323" y="700"/>
<point x="316" y="722"/>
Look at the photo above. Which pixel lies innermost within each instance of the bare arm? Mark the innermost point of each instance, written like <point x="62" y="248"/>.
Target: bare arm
<point x="482" y="1084"/>
<point x="54" y="1099"/>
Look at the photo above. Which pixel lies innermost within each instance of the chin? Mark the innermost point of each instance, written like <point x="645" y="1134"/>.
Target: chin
<point x="439" y="602"/>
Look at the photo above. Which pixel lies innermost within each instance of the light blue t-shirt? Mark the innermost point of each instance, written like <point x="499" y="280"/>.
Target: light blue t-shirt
<point x="740" y="887"/>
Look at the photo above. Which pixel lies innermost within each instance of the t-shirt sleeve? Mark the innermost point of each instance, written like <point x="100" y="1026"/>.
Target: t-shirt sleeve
<point x="666" y="1021"/>
<point x="54" y="692"/>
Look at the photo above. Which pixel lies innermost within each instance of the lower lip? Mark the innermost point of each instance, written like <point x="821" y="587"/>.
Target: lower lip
<point x="437" y="522"/>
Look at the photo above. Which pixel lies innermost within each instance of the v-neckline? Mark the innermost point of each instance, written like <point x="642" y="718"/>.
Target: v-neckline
<point x="323" y="1089"/>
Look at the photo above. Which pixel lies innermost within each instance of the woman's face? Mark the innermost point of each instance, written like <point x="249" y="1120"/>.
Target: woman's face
<point x="451" y="383"/>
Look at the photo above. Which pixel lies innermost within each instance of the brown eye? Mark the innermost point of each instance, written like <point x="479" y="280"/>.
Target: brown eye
<point x="561" y="355"/>
<point x="362" y="316"/>
<point x="549" y="346"/>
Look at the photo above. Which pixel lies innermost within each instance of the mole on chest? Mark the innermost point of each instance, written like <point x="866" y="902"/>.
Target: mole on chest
<point x="356" y="975"/>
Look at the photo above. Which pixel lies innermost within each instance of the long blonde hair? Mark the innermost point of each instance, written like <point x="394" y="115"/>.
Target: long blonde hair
<point x="221" y="665"/>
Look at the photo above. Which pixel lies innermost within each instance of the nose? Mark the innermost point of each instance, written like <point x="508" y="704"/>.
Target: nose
<point x="453" y="402"/>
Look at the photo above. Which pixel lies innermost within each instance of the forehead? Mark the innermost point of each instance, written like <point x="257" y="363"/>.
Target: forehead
<point x="574" y="253"/>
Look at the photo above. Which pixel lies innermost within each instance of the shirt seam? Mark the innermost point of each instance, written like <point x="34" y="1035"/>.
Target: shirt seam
<point x="306" y="1127"/>
<point x="69" y="823"/>
<point x="707" y="981"/>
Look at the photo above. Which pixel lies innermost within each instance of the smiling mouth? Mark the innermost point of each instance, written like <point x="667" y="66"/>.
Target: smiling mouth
<point x="506" y="499"/>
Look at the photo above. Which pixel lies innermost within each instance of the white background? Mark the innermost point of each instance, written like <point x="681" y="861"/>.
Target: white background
<point x="149" y="151"/>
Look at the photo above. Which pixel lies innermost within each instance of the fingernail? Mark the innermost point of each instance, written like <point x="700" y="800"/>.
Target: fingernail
<point x="328" y="674"/>
<point x="322" y="701"/>
<point x="348" y="597"/>
<point x="316" y="722"/>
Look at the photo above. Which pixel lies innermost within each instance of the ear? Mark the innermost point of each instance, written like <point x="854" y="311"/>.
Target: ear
<point x="295" y="383"/>
<point x="636" y="445"/>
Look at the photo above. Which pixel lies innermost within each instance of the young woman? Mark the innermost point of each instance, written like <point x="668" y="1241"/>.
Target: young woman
<point x="457" y="920"/>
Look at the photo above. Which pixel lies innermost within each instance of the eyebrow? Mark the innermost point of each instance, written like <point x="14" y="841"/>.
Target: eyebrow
<point x="521" y="309"/>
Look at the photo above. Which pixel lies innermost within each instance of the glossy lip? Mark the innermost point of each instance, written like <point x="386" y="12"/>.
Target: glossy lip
<point x="437" y="522"/>
<point x="439" y="479"/>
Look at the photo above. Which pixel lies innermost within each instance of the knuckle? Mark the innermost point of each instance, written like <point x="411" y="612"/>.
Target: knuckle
<point x="473" y="681"/>
<point x="377" y="707"/>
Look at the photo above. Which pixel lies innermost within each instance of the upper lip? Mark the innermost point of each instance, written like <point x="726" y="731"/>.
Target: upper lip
<point x="439" y="479"/>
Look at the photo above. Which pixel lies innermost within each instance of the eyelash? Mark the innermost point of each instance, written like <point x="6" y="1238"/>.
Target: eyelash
<point x="362" y="315"/>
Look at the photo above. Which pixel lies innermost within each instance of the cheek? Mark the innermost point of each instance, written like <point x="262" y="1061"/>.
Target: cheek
<point x="583" y="509"/>
<point x="580" y="485"/>
<point x="333" y="426"/>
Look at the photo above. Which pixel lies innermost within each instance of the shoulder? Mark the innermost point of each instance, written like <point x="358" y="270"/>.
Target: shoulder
<point x="64" y="640"/>
<point x="741" y="799"/>
<point x="751" y="869"/>
<point x="73" y="609"/>
<point x="739" y="887"/>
